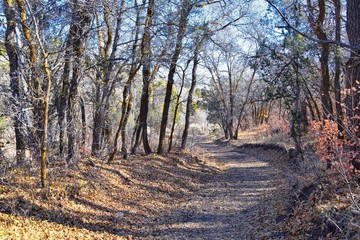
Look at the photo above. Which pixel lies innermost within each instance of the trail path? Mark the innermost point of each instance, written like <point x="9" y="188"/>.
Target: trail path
<point x="221" y="209"/>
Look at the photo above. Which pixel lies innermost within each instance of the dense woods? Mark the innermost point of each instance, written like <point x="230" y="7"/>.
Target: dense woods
<point x="108" y="79"/>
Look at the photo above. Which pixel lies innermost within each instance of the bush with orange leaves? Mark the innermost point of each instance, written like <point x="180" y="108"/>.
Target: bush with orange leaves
<point x="339" y="150"/>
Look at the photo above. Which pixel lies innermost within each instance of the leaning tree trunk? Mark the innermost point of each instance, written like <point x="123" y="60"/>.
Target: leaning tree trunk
<point x="124" y="110"/>
<point x="244" y="103"/>
<point x="185" y="11"/>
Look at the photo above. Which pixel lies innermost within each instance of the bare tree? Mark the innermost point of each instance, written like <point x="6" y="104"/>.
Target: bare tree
<point x="82" y="17"/>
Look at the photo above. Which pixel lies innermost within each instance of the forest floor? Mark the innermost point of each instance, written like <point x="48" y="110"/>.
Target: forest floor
<point x="218" y="190"/>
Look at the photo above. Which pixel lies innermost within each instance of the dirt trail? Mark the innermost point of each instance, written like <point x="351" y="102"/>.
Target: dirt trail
<point x="221" y="209"/>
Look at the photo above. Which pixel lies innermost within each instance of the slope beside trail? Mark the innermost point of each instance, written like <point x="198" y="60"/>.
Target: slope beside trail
<point x="224" y="207"/>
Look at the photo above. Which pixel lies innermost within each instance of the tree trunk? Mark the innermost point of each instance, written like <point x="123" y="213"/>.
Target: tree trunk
<point x="15" y="84"/>
<point x="83" y="11"/>
<point x="244" y="103"/>
<point x="185" y="11"/>
<point x="62" y="102"/>
<point x="189" y="107"/>
<point x="124" y="125"/>
<point x="317" y="26"/>
<point x="177" y="104"/>
<point x="101" y="134"/>
<point x="35" y="81"/>
<point x="124" y="111"/>
<point x="353" y="65"/>
<point x="339" y="114"/>
<point x="44" y="140"/>
<point x="146" y="62"/>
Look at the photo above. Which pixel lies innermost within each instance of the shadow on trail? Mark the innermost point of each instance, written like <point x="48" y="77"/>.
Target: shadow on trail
<point x="220" y="209"/>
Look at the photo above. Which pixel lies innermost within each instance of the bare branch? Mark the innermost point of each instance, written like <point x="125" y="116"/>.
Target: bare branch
<point x="288" y="25"/>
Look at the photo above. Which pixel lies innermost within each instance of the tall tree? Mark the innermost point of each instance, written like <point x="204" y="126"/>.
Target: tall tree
<point x="127" y="94"/>
<point x="185" y="10"/>
<point x="35" y="80"/>
<point x="82" y="17"/>
<point x="146" y="71"/>
<point x="106" y="79"/>
<point x="15" y="80"/>
<point x="189" y="103"/>
<point x="318" y="28"/>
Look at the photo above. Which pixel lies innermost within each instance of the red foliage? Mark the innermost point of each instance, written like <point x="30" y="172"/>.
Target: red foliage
<point x="339" y="149"/>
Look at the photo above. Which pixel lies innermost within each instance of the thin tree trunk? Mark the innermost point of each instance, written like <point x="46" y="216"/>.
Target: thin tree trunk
<point x="83" y="122"/>
<point x="124" y="125"/>
<point x="177" y="104"/>
<point x="189" y="108"/>
<point x="65" y="78"/>
<point x="339" y="114"/>
<point x="124" y="110"/>
<point x="104" y="90"/>
<point x="45" y="120"/>
<point x="245" y="102"/>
